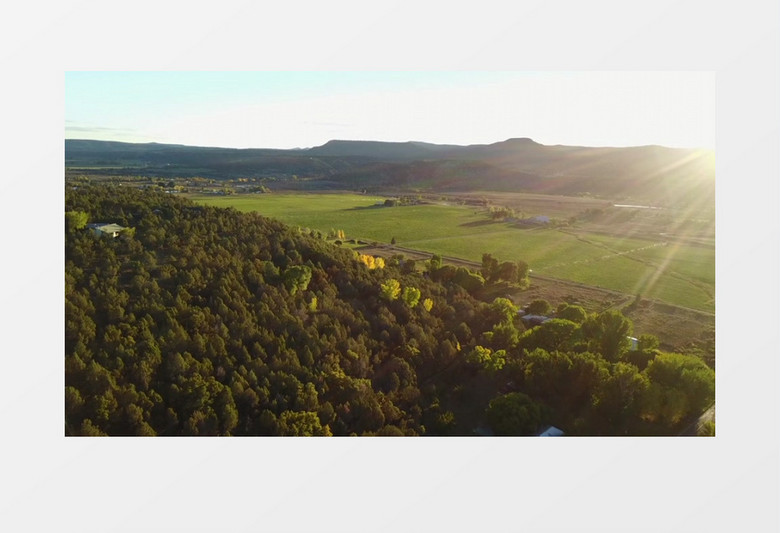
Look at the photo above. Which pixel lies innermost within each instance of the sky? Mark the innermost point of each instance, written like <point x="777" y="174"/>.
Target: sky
<point x="304" y="109"/>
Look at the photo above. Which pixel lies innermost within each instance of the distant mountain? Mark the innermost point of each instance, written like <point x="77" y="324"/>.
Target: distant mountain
<point x="654" y="174"/>
<point x="170" y="160"/>
<point x="382" y="150"/>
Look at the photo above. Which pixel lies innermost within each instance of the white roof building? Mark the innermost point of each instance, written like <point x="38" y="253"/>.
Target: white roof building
<point x="106" y="228"/>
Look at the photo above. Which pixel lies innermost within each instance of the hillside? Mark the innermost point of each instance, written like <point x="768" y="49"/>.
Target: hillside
<point x="205" y="321"/>
<point x="648" y="174"/>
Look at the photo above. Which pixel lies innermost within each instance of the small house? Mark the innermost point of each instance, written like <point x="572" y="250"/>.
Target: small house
<point x="552" y="431"/>
<point x="633" y="343"/>
<point x="105" y="229"/>
<point x="534" y="320"/>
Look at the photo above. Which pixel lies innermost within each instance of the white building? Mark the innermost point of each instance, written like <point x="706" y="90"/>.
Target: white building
<point x="105" y="229"/>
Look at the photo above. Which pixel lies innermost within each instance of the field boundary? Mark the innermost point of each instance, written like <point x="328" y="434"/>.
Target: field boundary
<point x="388" y="250"/>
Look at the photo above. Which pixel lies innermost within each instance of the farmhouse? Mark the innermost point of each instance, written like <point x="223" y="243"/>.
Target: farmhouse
<point x="106" y="229"/>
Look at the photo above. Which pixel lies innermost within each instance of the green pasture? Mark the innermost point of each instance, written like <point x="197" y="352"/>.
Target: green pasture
<point x="360" y="217"/>
<point x="622" y="273"/>
<point x="696" y="263"/>
<point x="677" y="274"/>
<point x="693" y="262"/>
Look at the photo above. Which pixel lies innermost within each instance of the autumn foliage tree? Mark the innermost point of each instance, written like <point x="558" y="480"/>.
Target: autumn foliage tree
<point x="390" y="289"/>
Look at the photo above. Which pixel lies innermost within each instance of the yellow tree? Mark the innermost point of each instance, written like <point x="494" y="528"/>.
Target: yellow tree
<point x="390" y="289"/>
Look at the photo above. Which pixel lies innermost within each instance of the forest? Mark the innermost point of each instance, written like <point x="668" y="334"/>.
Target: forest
<point x="199" y="320"/>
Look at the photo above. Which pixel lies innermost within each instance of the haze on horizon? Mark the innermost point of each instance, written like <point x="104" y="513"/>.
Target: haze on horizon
<point x="305" y="109"/>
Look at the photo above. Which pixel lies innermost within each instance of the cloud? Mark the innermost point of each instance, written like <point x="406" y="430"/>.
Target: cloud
<point x="103" y="133"/>
<point x="96" y="128"/>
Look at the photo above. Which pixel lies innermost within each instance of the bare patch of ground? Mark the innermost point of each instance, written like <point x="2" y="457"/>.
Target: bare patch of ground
<point x="677" y="328"/>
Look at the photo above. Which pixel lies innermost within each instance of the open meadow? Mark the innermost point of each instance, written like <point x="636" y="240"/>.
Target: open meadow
<point x="671" y="271"/>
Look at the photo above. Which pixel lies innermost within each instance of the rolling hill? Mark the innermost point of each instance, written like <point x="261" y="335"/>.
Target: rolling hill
<point x="650" y="174"/>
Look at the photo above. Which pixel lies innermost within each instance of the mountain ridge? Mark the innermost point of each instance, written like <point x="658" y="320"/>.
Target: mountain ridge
<point x="651" y="173"/>
<point x="355" y="142"/>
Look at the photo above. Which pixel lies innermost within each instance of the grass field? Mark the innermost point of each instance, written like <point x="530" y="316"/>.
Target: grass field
<point x="671" y="272"/>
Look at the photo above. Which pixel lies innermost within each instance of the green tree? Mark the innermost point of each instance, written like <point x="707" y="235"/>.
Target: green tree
<point x="409" y="266"/>
<point x="411" y="296"/>
<point x="647" y="342"/>
<point x="302" y="424"/>
<point x="489" y="267"/>
<point x="74" y="404"/>
<point x="502" y="311"/>
<point x="647" y="349"/>
<point x="503" y="336"/>
<point x="575" y="313"/>
<point x="514" y="414"/>
<point x="538" y="307"/>
<point x="522" y="274"/>
<point x="508" y="271"/>
<point x="607" y="334"/>
<point x="471" y="281"/>
<point x="555" y="334"/>
<point x="618" y="399"/>
<point x="297" y="278"/>
<point x="686" y="374"/>
<point x="482" y="357"/>
<point x="88" y="429"/>
<point x="75" y="220"/>
<point x="435" y="263"/>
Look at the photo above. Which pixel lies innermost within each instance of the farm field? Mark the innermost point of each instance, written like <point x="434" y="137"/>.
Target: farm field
<point x="671" y="272"/>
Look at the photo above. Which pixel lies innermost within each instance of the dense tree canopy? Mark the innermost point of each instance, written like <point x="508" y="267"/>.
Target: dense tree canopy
<point x="206" y="321"/>
<point x="575" y="313"/>
<point x="608" y="333"/>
